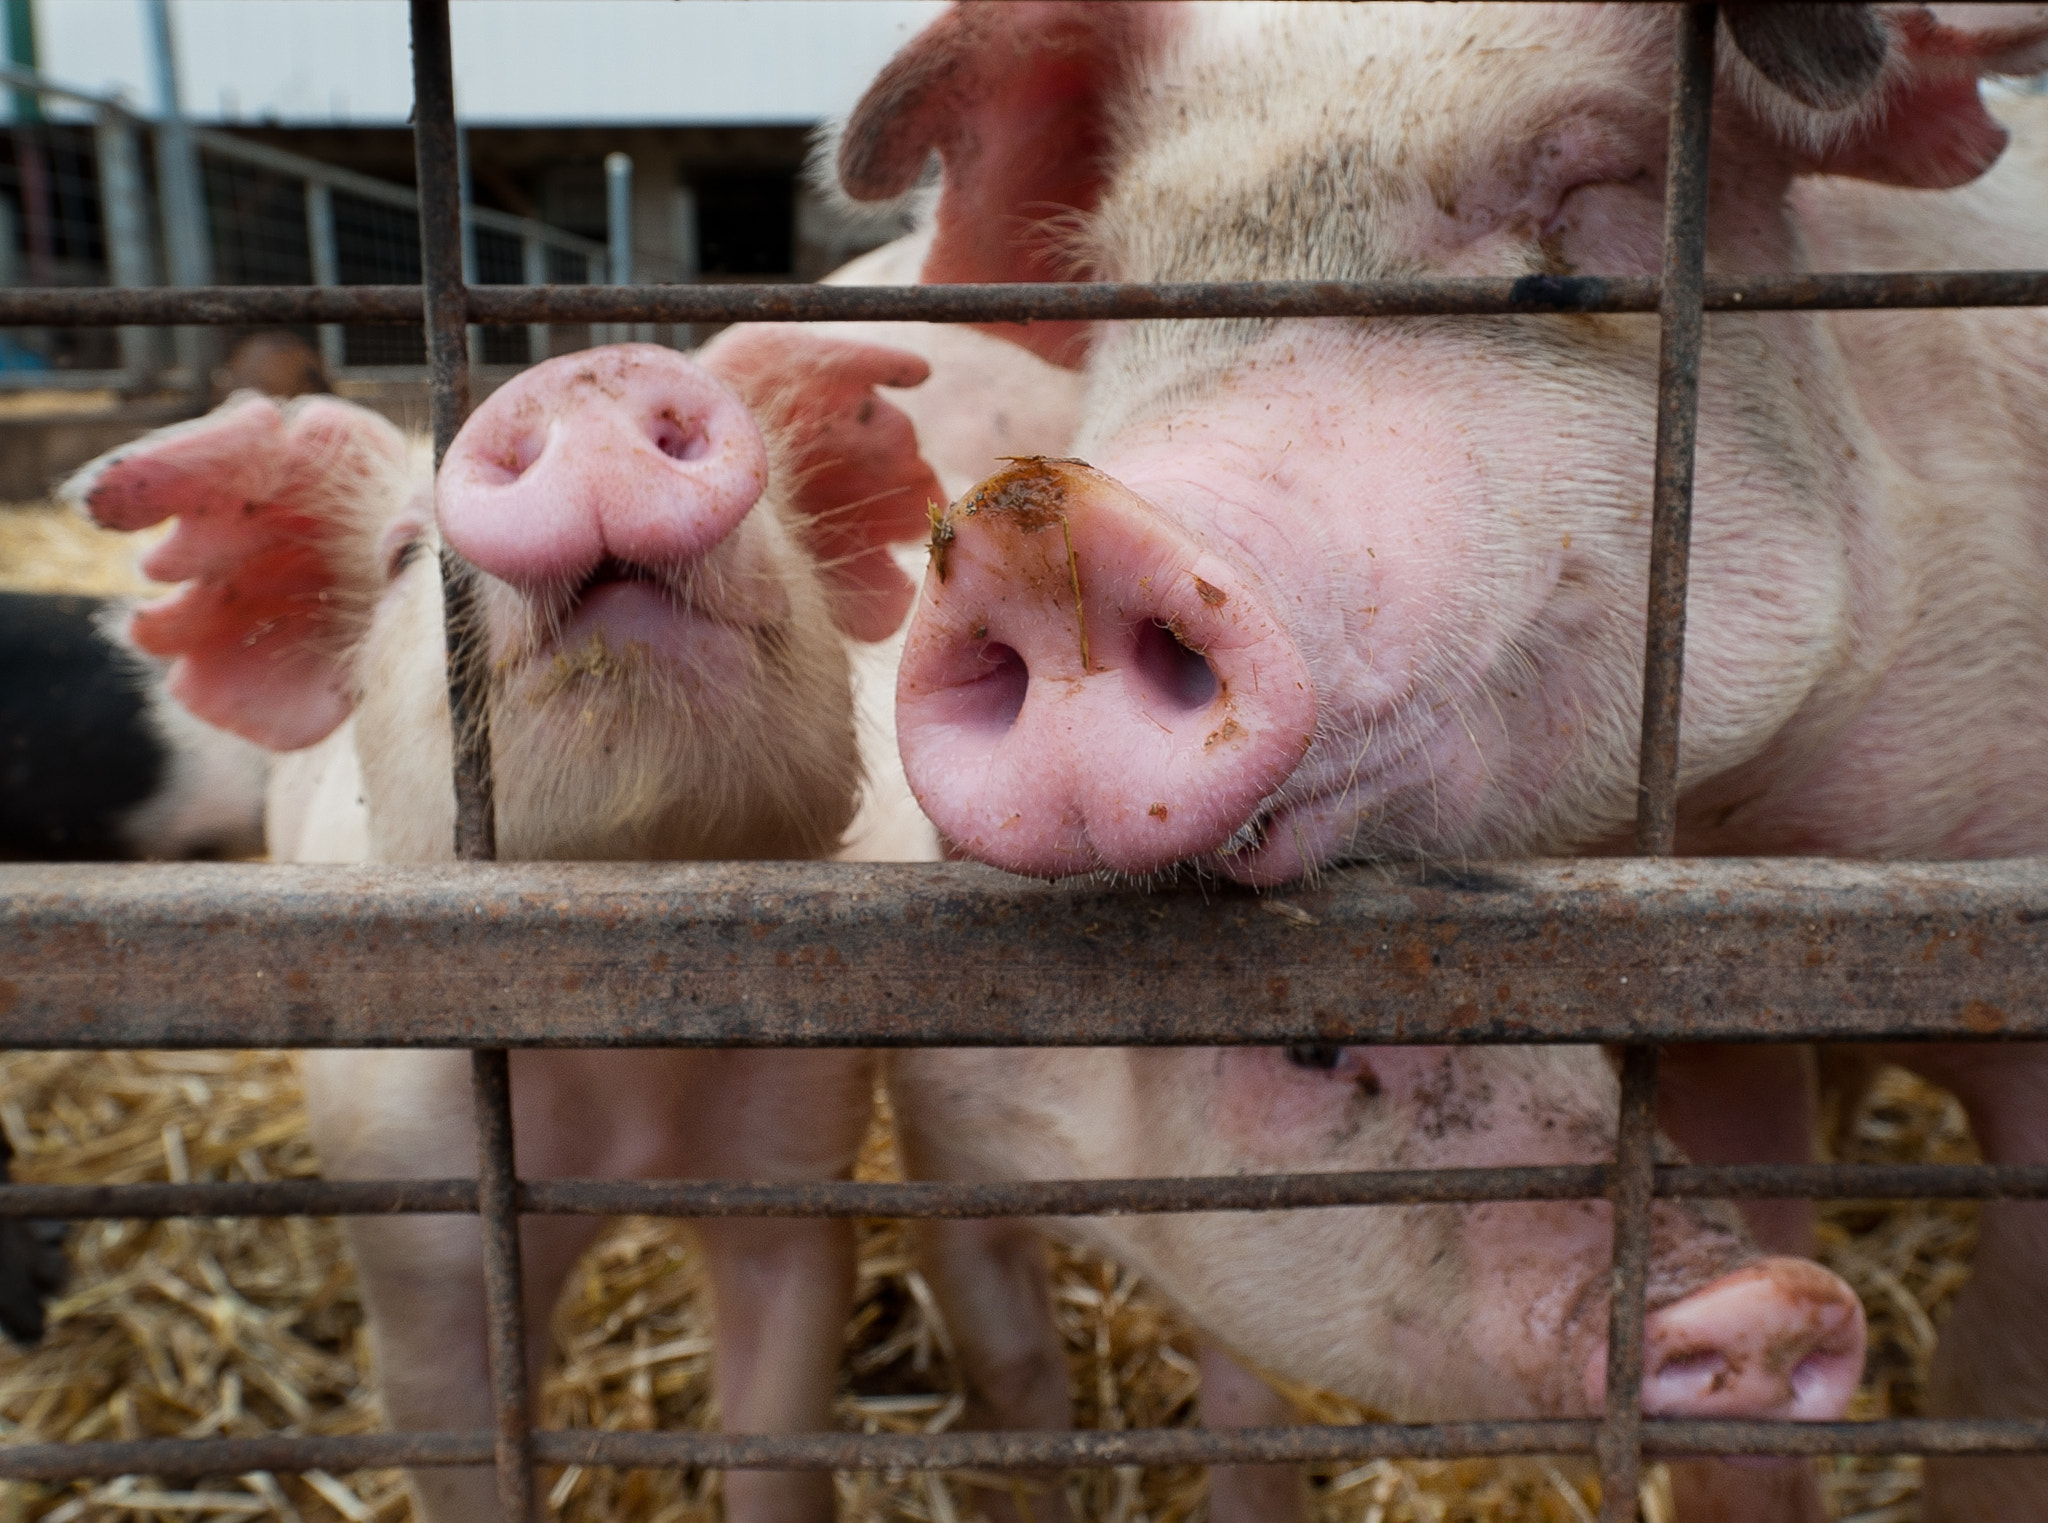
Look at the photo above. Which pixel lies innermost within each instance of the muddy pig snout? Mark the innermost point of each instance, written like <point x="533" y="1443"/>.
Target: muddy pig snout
<point x="1086" y="686"/>
<point x="630" y="454"/>
<point x="1780" y="1338"/>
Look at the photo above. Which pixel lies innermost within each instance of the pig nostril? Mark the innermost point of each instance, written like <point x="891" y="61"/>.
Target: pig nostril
<point x="678" y="441"/>
<point x="994" y="698"/>
<point x="1696" y="1371"/>
<point x="1183" y="677"/>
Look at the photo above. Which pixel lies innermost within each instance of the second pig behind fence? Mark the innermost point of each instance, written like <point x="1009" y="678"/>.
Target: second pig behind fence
<point x="664" y="600"/>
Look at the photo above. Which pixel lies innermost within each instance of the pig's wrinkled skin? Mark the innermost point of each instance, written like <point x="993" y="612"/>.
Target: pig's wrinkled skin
<point x="667" y="682"/>
<point x="1335" y="591"/>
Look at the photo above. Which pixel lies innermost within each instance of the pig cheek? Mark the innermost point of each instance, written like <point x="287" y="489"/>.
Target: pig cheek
<point x="403" y="746"/>
<point x="1543" y="1309"/>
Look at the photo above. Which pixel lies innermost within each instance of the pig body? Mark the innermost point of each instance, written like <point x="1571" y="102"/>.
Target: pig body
<point x="667" y="681"/>
<point x="99" y="763"/>
<point x="1344" y="591"/>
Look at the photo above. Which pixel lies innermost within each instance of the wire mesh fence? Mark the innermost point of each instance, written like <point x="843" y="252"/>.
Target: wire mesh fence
<point x="81" y="205"/>
<point x="1634" y="953"/>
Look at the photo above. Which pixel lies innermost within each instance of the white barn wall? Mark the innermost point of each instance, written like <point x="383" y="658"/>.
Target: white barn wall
<point x="517" y="62"/>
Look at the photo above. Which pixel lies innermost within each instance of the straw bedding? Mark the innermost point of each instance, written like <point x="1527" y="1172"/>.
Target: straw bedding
<point x="245" y="1327"/>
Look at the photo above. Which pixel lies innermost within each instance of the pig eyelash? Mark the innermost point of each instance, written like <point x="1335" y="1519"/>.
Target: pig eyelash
<point x="402" y="557"/>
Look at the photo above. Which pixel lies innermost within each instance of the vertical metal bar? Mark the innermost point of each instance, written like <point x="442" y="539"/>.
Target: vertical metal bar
<point x="1619" y="1446"/>
<point x="326" y="256"/>
<point x="124" y="216"/>
<point x="533" y="269"/>
<point x="618" y="228"/>
<point x="447" y="302"/>
<point x="438" y="148"/>
<point x="188" y="240"/>
<point x="1680" y="320"/>
<point x="474" y="335"/>
<point x="1678" y="392"/>
<point x="504" y="1293"/>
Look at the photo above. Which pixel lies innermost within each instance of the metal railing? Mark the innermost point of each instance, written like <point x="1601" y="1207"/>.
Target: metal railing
<point x="1631" y="952"/>
<point x="258" y="213"/>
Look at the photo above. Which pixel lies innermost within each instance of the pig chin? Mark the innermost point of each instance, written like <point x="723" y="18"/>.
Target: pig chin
<point x="694" y="737"/>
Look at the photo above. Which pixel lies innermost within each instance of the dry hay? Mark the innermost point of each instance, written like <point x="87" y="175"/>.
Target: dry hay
<point x="245" y="1327"/>
<point x="46" y="549"/>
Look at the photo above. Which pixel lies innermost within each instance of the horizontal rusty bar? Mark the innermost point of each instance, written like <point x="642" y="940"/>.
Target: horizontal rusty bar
<point x="763" y="954"/>
<point x="71" y="306"/>
<point x="927" y="1200"/>
<point x="1306" y="1444"/>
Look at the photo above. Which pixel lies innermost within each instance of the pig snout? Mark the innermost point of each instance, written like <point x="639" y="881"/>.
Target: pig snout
<point x="1779" y="1338"/>
<point x="627" y="463"/>
<point x="1086" y="686"/>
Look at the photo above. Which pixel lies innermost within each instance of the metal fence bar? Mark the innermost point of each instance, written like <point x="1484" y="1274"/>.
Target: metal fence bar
<point x="325" y="257"/>
<point x="1305" y="1444"/>
<point x="1620" y="1444"/>
<point x="444" y="268"/>
<point x="504" y="1279"/>
<point x="929" y="1200"/>
<point x="1481" y="296"/>
<point x="884" y="955"/>
<point x="1680" y="321"/>
<point x="124" y="215"/>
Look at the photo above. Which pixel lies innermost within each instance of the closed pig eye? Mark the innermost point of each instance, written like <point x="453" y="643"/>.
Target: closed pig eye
<point x="1347" y="1063"/>
<point x="402" y="556"/>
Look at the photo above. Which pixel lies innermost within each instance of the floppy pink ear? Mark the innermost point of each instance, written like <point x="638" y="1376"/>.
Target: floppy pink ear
<point x="1889" y="93"/>
<point x="1014" y="98"/>
<point x="858" y="482"/>
<point x="259" y="634"/>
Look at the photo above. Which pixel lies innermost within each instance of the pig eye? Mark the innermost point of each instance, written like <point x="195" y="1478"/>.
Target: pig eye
<point x="1315" y="1055"/>
<point x="402" y="557"/>
<point x="1338" y="1062"/>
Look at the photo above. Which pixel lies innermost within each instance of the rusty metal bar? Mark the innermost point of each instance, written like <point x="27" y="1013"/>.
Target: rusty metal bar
<point x="1680" y="322"/>
<point x="926" y="1200"/>
<point x="840" y="954"/>
<point x="505" y="1306"/>
<point x="1678" y="388"/>
<point x="1619" y="1446"/>
<point x="1306" y="1444"/>
<point x="436" y="151"/>
<point x="103" y="307"/>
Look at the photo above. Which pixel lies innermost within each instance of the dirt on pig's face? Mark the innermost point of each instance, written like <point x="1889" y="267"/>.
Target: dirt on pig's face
<point x="1447" y="518"/>
<point x="642" y="715"/>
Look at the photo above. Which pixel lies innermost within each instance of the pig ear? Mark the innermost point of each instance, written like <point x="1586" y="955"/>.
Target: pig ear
<point x="1014" y="98"/>
<point x="1886" y="93"/>
<point x="260" y="631"/>
<point x="857" y="481"/>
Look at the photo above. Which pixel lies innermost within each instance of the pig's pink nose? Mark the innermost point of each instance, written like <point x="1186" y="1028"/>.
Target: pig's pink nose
<point x="1085" y="686"/>
<point x="1780" y="1338"/>
<point x="629" y="453"/>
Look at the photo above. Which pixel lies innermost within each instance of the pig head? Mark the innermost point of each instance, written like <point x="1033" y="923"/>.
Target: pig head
<point x="1333" y="590"/>
<point x="662" y="616"/>
<point x="1495" y="1310"/>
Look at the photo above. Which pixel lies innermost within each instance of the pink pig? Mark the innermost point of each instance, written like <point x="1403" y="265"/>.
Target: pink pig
<point x="666" y="596"/>
<point x="1331" y="591"/>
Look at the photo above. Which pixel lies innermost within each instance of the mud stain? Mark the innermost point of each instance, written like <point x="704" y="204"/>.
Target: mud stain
<point x="1029" y="494"/>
